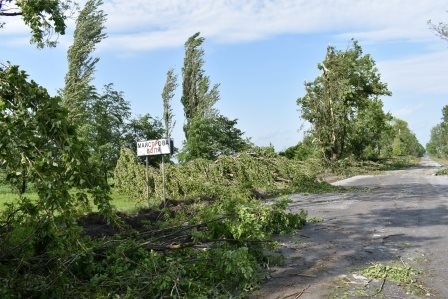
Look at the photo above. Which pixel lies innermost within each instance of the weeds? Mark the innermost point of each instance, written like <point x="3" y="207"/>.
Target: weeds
<point x="443" y="171"/>
<point x="405" y="276"/>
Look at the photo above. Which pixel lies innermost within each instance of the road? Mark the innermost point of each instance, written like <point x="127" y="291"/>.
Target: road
<point x="399" y="217"/>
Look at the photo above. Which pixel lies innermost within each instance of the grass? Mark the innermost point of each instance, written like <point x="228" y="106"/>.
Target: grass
<point x="121" y="201"/>
<point x="443" y="162"/>
<point x="124" y="203"/>
<point x="350" y="167"/>
<point x="401" y="274"/>
<point x="369" y="281"/>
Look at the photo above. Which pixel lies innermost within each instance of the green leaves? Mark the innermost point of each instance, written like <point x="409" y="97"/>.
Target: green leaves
<point x="208" y="134"/>
<point x="39" y="145"/>
<point x="349" y="82"/>
<point x="208" y="138"/>
<point x="438" y="143"/>
<point x="44" y="17"/>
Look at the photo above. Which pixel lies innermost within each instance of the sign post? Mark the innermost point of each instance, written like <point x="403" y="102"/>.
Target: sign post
<point x="163" y="182"/>
<point x="152" y="148"/>
<point x="147" y="180"/>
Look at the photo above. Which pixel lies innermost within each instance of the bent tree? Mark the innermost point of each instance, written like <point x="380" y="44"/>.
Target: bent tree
<point x="38" y="143"/>
<point x="348" y="83"/>
<point x="208" y="133"/>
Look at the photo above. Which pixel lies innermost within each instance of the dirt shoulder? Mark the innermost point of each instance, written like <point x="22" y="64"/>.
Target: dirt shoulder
<point x="398" y="218"/>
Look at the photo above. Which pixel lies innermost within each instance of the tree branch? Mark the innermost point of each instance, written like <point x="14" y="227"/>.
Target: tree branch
<point x="10" y="14"/>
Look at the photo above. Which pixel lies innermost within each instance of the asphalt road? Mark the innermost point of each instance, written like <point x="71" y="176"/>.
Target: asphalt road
<point x="400" y="217"/>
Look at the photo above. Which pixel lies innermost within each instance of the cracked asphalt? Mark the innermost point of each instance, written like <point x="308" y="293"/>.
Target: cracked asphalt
<point x="396" y="217"/>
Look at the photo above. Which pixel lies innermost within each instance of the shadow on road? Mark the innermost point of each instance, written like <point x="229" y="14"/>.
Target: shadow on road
<point x="380" y="224"/>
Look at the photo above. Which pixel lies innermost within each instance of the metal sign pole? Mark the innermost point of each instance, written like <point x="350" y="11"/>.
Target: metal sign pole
<point x="163" y="181"/>
<point x="150" y="148"/>
<point x="147" y="180"/>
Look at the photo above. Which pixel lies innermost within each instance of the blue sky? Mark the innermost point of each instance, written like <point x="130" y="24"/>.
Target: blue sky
<point x="260" y="52"/>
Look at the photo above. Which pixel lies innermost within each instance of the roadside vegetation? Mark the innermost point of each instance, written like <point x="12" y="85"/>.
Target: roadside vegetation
<point x="381" y="280"/>
<point x="438" y="144"/>
<point x="78" y="216"/>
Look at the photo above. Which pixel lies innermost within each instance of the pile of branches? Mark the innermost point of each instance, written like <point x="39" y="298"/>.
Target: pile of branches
<point x="259" y="173"/>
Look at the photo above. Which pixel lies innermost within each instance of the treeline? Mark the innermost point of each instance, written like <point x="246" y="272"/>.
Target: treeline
<point x="438" y="143"/>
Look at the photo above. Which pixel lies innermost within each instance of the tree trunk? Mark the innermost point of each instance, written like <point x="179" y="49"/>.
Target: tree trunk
<point x="23" y="185"/>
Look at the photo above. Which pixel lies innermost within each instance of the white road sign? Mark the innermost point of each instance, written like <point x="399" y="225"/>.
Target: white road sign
<point x="153" y="147"/>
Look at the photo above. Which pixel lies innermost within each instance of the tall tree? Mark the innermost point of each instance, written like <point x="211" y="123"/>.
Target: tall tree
<point x="208" y="134"/>
<point x="211" y="137"/>
<point x="167" y="97"/>
<point x="438" y="143"/>
<point x="405" y="142"/>
<point x="109" y="113"/>
<point x="99" y="118"/>
<point x="370" y="124"/>
<point x="141" y="128"/>
<point x="349" y="81"/>
<point x="78" y="90"/>
<point x="197" y="96"/>
<point x="44" y="17"/>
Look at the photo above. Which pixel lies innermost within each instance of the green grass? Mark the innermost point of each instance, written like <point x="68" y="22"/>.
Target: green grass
<point x="7" y="196"/>
<point x="125" y="204"/>
<point x="121" y="201"/>
<point x="350" y="167"/>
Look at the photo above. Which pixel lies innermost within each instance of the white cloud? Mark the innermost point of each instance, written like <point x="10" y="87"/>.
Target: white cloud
<point x="420" y="73"/>
<point x="149" y="24"/>
<point x="407" y="111"/>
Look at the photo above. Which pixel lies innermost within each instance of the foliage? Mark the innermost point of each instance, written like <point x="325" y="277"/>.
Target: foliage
<point x="404" y="142"/>
<point x="44" y="17"/>
<point x="38" y="237"/>
<point x="78" y="89"/>
<point x="443" y="171"/>
<point x="141" y="128"/>
<point x="350" y="166"/>
<point x="259" y="171"/>
<point x="167" y="97"/>
<point x="350" y="81"/>
<point x="129" y="176"/>
<point x="401" y="274"/>
<point x="250" y="220"/>
<point x="208" y="138"/>
<point x="197" y="96"/>
<point x="38" y="142"/>
<point x="108" y="113"/>
<point x="99" y="118"/>
<point x="227" y="242"/>
<point x="438" y="143"/>
<point x="304" y="150"/>
<point x="370" y="125"/>
<point x="208" y="134"/>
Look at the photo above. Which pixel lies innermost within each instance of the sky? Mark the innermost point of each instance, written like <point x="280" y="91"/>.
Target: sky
<point x="260" y="52"/>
